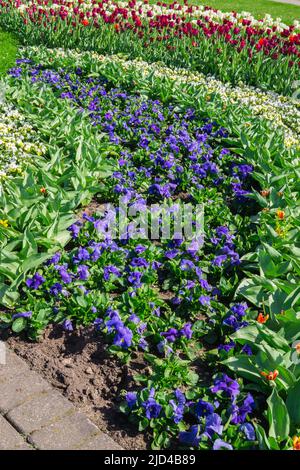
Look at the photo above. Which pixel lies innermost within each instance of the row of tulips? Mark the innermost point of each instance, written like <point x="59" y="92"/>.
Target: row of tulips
<point x="143" y="9"/>
<point x="267" y="57"/>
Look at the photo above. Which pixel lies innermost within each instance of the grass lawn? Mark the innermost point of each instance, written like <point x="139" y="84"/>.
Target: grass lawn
<point x="8" y="51"/>
<point x="258" y="8"/>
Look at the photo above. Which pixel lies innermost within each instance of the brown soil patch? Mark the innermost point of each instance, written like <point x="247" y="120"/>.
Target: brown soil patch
<point x="79" y="365"/>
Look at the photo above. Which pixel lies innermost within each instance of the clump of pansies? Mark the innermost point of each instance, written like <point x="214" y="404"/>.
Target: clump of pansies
<point x="119" y="286"/>
<point x="215" y="417"/>
<point x="162" y="152"/>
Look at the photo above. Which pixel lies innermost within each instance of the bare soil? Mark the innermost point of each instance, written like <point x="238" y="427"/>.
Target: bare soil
<point x="78" y="364"/>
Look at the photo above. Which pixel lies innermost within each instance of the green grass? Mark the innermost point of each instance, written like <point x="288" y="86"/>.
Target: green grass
<point x="8" y="51"/>
<point x="258" y="8"/>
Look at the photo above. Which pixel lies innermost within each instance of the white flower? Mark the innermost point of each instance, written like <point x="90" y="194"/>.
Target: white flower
<point x="19" y="143"/>
<point x="193" y="11"/>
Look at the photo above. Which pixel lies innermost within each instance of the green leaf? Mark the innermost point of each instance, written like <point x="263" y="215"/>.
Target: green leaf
<point x="19" y="325"/>
<point x="244" y="367"/>
<point x="33" y="261"/>
<point x="263" y="441"/>
<point x="193" y="377"/>
<point x="9" y="297"/>
<point x="278" y="417"/>
<point x="123" y="407"/>
<point x="293" y="404"/>
<point x="169" y="411"/>
<point x="143" y="424"/>
<point x="266" y="263"/>
<point x="81" y="301"/>
<point x="251" y="291"/>
<point x="274" y="338"/>
<point x="245" y="335"/>
<point x="292" y="299"/>
<point x="276" y="255"/>
<point x="271" y="268"/>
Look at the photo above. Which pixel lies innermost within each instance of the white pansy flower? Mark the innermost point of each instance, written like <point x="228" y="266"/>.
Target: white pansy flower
<point x="18" y="142"/>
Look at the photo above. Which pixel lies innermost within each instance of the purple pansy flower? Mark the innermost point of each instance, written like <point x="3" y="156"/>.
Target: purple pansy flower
<point x="219" y="260"/>
<point x="152" y="408"/>
<point x="191" y="437"/>
<point x="239" y="310"/>
<point x="68" y="325"/>
<point x="249" y="431"/>
<point x="204" y="300"/>
<point x="123" y="337"/>
<point x="178" y="406"/>
<point x="221" y="445"/>
<point x="56" y="289"/>
<point x="134" y="278"/>
<point x="66" y="277"/>
<point x="75" y="229"/>
<point x="213" y="425"/>
<point x="83" y="272"/>
<point x="139" y="262"/>
<point x="131" y="398"/>
<point x="108" y="270"/>
<point x="203" y="408"/>
<point x="240" y="413"/>
<point x="35" y="282"/>
<point x="225" y="384"/>
<point x="171" y="335"/>
<point x="164" y="348"/>
<point x="55" y="259"/>
<point x="186" y="331"/>
<point x="186" y="265"/>
<point x="82" y="254"/>
<point x="246" y="349"/>
<point x="22" y="315"/>
<point x="226" y="347"/>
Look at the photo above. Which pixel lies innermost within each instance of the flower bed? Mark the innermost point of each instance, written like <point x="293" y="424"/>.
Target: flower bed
<point x="179" y="302"/>
<point x="282" y="112"/>
<point x="234" y="48"/>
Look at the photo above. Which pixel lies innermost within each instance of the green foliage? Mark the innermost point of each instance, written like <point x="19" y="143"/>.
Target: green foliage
<point x="38" y="221"/>
<point x="8" y="51"/>
<point x="78" y="161"/>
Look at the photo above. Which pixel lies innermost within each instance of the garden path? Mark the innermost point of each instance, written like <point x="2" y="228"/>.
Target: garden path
<point x="35" y="416"/>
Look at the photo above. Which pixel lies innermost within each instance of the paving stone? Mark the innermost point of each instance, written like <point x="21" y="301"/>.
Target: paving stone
<point x="13" y="366"/>
<point x="21" y="388"/>
<point x="39" y="412"/>
<point x="101" y="442"/>
<point x="67" y="434"/>
<point x="10" y="439"/>
<point x="34" y="409"/>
